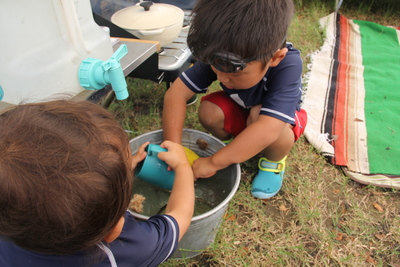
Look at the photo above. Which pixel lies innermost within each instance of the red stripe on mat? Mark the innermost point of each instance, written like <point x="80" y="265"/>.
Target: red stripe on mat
<point x="339" y="127"/>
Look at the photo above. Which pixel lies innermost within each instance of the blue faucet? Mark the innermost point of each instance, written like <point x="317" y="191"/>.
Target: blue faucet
<point x="1" y="93"/>
<point x="94" y="74"/>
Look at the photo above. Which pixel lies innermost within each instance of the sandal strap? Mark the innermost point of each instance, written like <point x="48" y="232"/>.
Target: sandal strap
<point x="271" y="166"/>
<point x="228" y="141"/>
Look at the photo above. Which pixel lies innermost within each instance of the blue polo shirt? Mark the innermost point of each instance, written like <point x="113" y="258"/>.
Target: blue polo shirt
<point x="146" y="243"/>
<point x="279" y="91"/>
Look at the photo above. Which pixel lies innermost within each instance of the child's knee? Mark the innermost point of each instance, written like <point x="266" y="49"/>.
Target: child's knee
<point x="254" y="114"/>
<point x="210" y="114"/>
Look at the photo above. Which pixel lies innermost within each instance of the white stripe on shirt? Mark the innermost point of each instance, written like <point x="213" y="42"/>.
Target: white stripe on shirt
<point x="277" y="113"/>
<point x="173" y="243"/>
<point x="109" y="253"/>
<point x="191" y="83"/>
<point x="238" y="100"/>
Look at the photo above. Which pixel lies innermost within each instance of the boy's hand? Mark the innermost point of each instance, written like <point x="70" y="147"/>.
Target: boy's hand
<point x="139" y="156"/>
<point x="204" y="168"/>
<point x="175" y="156"/>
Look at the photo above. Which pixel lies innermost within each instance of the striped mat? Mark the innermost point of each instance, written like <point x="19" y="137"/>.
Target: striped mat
<point x="353" y="100"/>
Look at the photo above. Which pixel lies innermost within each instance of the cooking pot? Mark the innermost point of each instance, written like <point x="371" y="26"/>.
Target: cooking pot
<point x="151" y="21"/>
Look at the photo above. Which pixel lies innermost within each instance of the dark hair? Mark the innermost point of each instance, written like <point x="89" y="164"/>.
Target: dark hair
<point x="65" y="179"/>
<point x="248" y="28"/>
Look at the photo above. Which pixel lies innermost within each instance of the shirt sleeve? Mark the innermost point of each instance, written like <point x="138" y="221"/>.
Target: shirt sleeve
<point x="146" y="243"/>
<point x="198" y="77"/>
<point x="283" y="89"/>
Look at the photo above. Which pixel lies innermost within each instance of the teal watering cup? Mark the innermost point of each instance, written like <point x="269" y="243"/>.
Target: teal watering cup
<point x="154" y="170"/>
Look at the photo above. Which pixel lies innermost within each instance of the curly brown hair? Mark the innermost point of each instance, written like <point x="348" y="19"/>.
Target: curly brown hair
<point x="65" y="179"/>
<point x="248" y="28"/>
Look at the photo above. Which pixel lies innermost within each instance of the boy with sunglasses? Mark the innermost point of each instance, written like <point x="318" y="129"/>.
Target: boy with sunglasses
<point x="242" y="44"/>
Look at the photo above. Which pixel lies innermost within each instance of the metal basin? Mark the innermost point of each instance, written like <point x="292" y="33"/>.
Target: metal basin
<point x="212" y="194"/>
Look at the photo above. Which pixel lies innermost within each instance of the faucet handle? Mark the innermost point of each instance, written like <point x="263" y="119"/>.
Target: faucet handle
<point x="120" y="53"/>
<point x="114" y="61"/>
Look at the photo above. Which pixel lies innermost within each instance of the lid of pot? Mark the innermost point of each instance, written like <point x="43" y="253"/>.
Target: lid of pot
<point x="147" y="15"/>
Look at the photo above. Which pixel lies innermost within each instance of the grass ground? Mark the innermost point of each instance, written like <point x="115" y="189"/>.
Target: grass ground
<point x="320" y="217"/>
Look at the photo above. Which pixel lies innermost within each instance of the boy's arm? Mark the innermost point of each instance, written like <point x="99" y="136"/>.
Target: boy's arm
<point x="174" y="111"/>
<point x="256" y="137"/>
<point x="181" y="201"/>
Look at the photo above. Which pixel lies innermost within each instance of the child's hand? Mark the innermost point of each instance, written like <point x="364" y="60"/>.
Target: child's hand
<point x="204" y="168"/>
<point x="139" y="156"/>
<point x="175" y="156"/>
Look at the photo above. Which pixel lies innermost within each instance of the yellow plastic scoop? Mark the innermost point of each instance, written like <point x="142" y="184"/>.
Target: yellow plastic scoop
<point x="191" y="155"/>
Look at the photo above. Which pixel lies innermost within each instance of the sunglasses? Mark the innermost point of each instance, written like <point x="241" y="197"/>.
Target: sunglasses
<point x="229" y="62"/>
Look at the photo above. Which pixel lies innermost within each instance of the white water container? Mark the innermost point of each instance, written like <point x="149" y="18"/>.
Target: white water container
<point x="42" y="46"/>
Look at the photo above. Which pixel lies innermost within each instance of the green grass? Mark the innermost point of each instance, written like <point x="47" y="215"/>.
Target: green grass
<point x="140" y="113"/>
<point x="320" y="217"/>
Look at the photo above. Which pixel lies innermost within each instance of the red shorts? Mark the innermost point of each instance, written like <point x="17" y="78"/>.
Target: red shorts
<point x="236" y="116"/>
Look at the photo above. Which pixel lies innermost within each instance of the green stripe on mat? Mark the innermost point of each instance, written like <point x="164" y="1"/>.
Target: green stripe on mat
<point x="381" y="59"/>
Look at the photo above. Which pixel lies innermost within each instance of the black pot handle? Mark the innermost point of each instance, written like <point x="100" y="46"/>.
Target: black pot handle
<point x="146" y="5"/>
